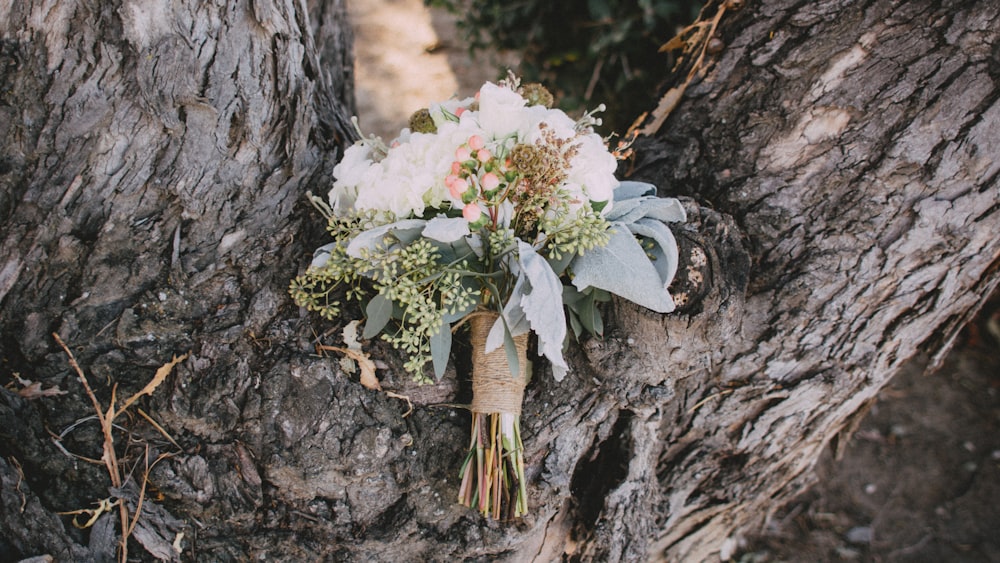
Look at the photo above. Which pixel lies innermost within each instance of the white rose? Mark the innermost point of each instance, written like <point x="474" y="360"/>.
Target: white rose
<point x="502" y="112"/>
<point x="593" y="168"/>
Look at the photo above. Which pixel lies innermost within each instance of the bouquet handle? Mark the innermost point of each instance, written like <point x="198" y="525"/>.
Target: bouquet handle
<point x="493" y="473"/>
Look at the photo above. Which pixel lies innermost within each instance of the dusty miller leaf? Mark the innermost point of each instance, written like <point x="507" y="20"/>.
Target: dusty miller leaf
<point x="622" y="267"/>
<point x="446" y="229"/>
<point x="542" y="303"/>
<point x="322" y="255"/>
<point x="405" y="230"/>
<point x="664" y="252"/>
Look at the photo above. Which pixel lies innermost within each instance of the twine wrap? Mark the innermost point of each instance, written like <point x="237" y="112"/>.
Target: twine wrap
<point x="494" y="388"/>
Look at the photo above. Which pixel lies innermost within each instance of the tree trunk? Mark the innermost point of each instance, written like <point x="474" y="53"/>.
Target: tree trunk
<point x="843" y="192"/>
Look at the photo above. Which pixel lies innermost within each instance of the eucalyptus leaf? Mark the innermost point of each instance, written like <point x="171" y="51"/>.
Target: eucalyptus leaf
<point x="574" y="323"/>
<point x="440" y="349"/>
<point x="407" y="235"/>
<point x="559" y="265"/>
<point x="496" y="336"/>
<point x="378" y="311"/>
<point x="462" y="248"/>
<point x="571" y="295"/>
<point x="589" y="314"/>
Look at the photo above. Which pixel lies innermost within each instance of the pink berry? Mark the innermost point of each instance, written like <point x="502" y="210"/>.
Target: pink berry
<point x="483" y="155"/>
<point x="462" y="154"/>
<point x="476" y="142"/>
<point x="471" y="212"/>
<point x="490" y="181"/>
<point x="456" y="187"/>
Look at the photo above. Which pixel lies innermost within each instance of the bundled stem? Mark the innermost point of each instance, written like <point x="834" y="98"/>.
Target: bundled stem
<point x="493" y="472"/>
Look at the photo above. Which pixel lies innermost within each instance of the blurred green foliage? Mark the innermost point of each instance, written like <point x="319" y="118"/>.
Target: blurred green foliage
<point x="586" y="51"/>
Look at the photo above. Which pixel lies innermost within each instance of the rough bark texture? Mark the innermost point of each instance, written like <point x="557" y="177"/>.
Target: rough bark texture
<point x="844" y="202"/>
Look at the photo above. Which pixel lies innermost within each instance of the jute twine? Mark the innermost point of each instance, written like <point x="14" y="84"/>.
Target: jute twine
<point x="494" y="388"/>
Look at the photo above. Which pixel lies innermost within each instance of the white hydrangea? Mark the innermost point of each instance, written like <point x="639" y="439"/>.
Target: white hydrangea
<point x="349" y="174"/>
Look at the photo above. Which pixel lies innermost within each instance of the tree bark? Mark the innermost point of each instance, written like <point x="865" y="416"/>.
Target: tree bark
<point x="837" y="159"/>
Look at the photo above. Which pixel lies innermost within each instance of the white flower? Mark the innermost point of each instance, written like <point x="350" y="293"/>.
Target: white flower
<point x="593" y="168"/>
<point x="448" y="110"/>
<point x="555" y="121"/>
<point x="349" y="173"/>
<point x="502" y="112"/>
<point x="411" y="176"/>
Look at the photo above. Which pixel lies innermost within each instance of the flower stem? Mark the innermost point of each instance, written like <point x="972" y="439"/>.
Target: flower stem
<point x="495" y="483"/>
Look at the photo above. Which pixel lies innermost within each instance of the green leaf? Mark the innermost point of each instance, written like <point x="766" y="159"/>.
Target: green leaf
<point x="571" y="295"/>
<point x="574" y="323"/>
<point x="590" y="316"/>
<point x="559" y="266"/>
<point x="378" y="311"/>
<point x="440" y="349"/>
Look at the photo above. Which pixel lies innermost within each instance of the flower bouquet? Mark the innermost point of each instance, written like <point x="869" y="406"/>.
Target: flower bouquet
<point x="504" y="213"/>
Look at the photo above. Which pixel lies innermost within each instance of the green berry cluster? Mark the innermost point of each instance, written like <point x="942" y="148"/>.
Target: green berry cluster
<point x="422" y="287"/>
<point x="574" y="233"/>
<point x="424" y="290"/>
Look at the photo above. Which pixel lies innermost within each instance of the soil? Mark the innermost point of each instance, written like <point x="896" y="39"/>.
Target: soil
<point x="919" y="480"/>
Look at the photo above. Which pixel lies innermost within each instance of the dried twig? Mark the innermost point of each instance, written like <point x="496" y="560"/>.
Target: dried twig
<point x="701" y="33"/>
<point x="110" y="457"/>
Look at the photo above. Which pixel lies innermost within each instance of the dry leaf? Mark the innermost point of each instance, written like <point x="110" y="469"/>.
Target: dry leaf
<point x="350" y="334"/>
<point x="161" y="374"/>
<point x="368" y="377"/>
<point x="667" y="104"/>
<point x="702" y="33"/>
<point x="677" y="42"/>
<point x="33" y="389"/>
<point x="103" y="505"/>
